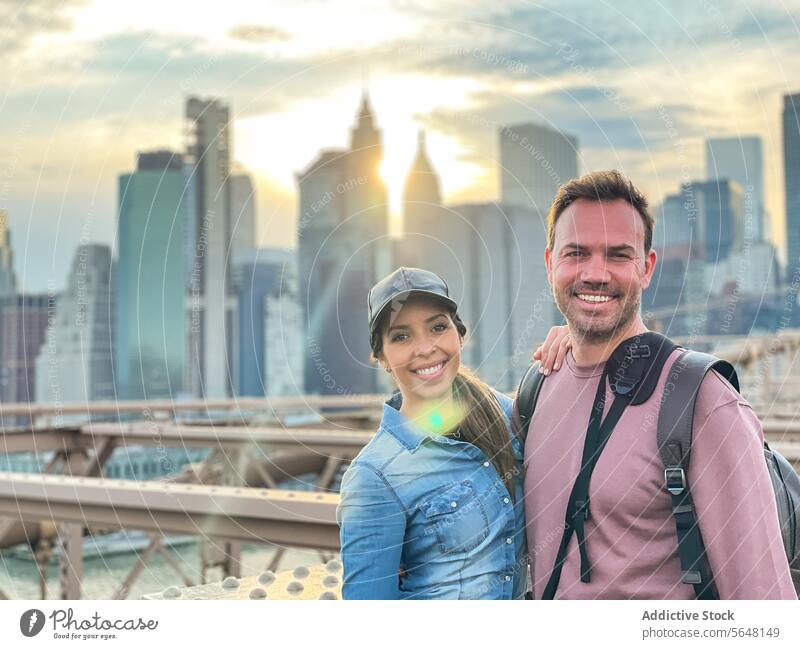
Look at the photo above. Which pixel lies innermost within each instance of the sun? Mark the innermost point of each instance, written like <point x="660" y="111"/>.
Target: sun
<point x="393" y="170"/>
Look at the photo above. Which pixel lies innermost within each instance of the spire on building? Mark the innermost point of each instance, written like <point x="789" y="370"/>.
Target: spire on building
<point x="422" y="183"/>
<point x="365" y="133"/>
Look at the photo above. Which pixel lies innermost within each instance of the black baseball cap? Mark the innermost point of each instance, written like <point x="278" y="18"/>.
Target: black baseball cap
<point x="402" y="283"/>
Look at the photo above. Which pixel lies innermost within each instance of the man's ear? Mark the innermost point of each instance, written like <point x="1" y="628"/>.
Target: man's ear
<point x="649" y="267"/>
<point x="548" y="263"/>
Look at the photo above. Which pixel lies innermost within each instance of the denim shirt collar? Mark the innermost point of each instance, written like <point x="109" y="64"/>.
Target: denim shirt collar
<point x="399" y="426"/>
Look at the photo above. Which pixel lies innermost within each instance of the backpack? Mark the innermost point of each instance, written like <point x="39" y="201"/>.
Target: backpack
<point x="674" y="434"/>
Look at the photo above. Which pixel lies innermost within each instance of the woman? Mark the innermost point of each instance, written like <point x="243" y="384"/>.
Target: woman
<point x="432" y="506"/>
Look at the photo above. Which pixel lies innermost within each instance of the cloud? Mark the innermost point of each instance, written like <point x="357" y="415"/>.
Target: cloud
<point x="607" y="73"/>
<point x="147" y="76"/>
<point x="258" y="34"/>
<point x="544" y="41"/>
<point x="21" y="22"/>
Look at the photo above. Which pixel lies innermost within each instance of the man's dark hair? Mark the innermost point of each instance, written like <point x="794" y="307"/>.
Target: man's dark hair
<point x="599" y="186"/>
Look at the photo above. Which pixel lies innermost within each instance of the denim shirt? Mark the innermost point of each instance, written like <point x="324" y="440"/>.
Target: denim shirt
<point x="436" y="507"/>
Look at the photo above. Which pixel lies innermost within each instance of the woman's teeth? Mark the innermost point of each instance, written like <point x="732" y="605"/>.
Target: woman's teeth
<point x="429" y="370"/>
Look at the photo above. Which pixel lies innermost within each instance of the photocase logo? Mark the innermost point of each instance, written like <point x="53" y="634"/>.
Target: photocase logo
<point x="31" y="622"/>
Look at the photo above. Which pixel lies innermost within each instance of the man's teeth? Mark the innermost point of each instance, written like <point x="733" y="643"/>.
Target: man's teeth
<point x="594" y="298"/>
<point x="429" y="370"/>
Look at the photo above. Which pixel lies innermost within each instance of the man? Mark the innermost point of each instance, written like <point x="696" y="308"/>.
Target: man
<point x="599" y="259"/>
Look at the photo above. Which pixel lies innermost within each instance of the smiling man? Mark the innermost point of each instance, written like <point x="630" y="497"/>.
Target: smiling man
<point x="612" y="534"/>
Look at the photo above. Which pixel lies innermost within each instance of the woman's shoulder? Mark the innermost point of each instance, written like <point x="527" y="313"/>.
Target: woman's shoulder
<point x="379" y="453"/>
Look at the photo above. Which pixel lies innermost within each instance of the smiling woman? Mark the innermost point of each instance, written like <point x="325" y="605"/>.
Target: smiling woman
<point x="432" y="506"/>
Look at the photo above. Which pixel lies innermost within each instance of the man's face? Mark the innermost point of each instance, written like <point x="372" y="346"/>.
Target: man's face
<point x="598" y="267"/>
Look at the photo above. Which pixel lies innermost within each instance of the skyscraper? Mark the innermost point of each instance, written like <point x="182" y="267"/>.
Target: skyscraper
<point x="23" y="323"/>
<point x="343" y="250"/>
<point x="243" y="214"/>
<point x="8" y="280"/>
<point x="741" y="159"/>
<point x="493" y="262"/>
<point x="211" y="304"/>
<point x="679" y="277"/>
<point x="791" y="175"/>
<point x="74" y="364"/>
<point x="423" y="214"/>
<point x="258" y="275"/>
<point x="701" y="246"/>
<point x="150" y="280"/>
<point x="719" y="209"/>
<point x="535" y="161"/>
<point x="283" y="338"/>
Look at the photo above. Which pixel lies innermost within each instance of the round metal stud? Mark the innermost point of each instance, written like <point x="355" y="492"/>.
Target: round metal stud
<point x="266" y="578"/>
<point x="258" y="593"/>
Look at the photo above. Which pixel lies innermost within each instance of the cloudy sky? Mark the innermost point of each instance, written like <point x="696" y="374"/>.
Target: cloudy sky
<point x="86" y="84"/>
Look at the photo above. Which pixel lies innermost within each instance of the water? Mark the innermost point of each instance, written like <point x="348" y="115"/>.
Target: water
<point x="19" y="578"/>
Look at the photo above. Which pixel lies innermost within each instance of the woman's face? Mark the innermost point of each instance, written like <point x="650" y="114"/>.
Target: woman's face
<point x="422" y="348"/>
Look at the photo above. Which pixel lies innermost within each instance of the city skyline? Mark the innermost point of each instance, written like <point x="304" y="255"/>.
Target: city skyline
<point x="119" y="81"/>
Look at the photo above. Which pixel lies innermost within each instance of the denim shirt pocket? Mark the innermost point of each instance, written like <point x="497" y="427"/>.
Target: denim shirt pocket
<point x="457" y="518"/>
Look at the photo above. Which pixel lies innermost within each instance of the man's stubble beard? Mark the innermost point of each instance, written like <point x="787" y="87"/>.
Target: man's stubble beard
<point x="592" y="332"/>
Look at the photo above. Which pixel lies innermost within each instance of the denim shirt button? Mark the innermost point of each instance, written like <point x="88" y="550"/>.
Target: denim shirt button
<point x="506" y="500"/>
<point x="486" y="464"/>
<point x="508" y="577"/>
<point x="509" y="540"/>
<point x="454" y="504"/>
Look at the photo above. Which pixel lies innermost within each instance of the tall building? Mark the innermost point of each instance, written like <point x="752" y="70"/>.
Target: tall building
<point x="210" y="322"/>
<point x="512" y="306"/>
<point x="74" y="364"/>
<point x="257" y="275"/>
<point x="150" y="280"/>
<point x="283" y="339"/>
<point x="23" y="323"/>
<point x="675" y="301"/>
<point x="422" y="209"/>
<point x="535" y="161"/>
<point x="702" y="250"/>
<point x="791" y="176"/>
<point x="435" y="237"/>
<point x="343" y="249"/>
<point x="679" y="276"/>
<point x="492" y="258"/>
<point x="243" y="214"/>
<point x="741" y="159"/>
<point x="8" y="280"/>
<point x="674" y="224"/>
<point x="709" y="213"/>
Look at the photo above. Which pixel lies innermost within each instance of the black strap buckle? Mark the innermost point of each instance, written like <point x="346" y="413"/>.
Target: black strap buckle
<point x="582" y="509"/>
<point x="691" y="577"/>
<point x="675" y="479"/>
<point x="623" y="386"/>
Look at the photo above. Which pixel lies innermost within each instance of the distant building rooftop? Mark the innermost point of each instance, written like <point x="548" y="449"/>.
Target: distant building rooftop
<point x="161" y="160"/>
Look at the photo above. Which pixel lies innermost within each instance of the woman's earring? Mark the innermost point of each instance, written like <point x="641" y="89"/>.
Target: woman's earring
<point x="387" y="369"/>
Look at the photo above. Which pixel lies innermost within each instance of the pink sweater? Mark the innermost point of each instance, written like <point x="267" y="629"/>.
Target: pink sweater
<point x="631" y="538"/>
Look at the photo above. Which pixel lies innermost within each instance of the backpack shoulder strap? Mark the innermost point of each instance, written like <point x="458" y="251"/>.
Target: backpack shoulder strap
<point x="674" y="437"/>
<point x="677" y="406"/>
<point x="525" y="400"/>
